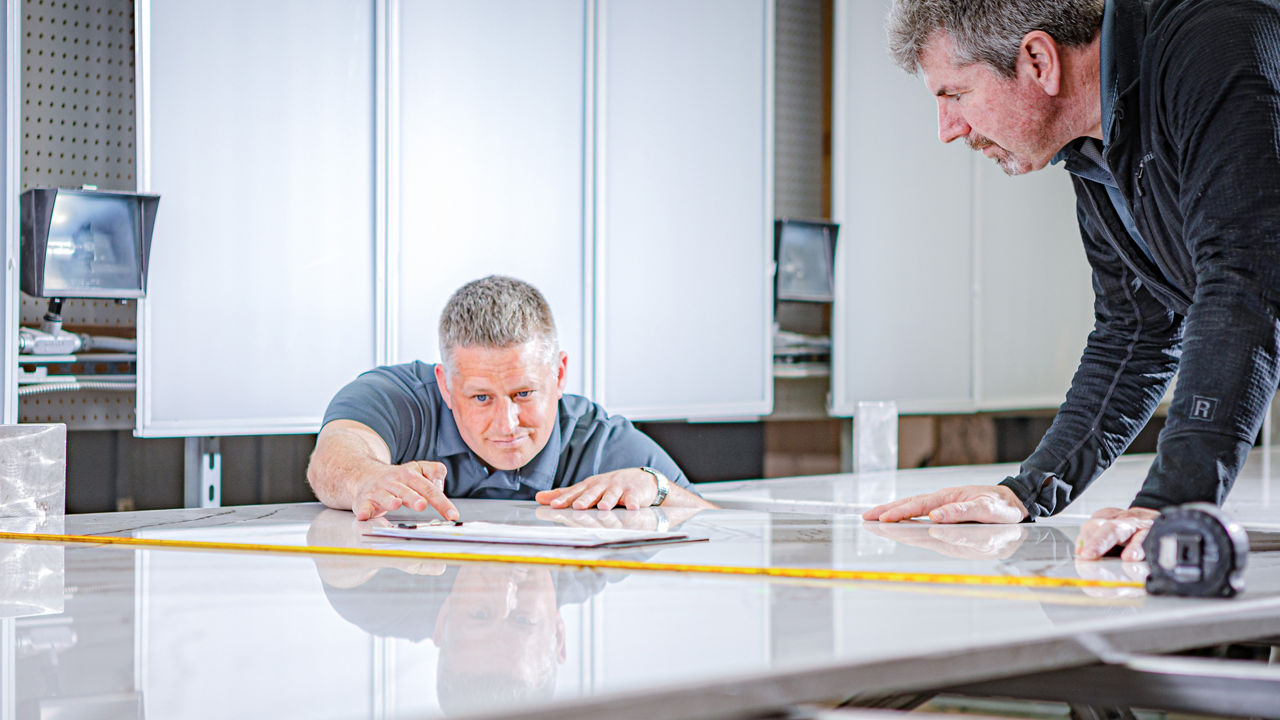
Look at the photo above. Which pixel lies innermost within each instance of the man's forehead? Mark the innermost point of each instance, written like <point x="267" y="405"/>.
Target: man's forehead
<point x="937" y="62"/>
<point x="951" y="78"/>
<point x="486" y="355"/>
<point x="484" y="364"/>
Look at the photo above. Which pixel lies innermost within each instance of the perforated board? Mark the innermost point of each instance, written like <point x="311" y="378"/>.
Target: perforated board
<point x="800" y="102"/>
<point x="78" y="129"/>
<point x="78" y="94"/>
<point x="82" y="410"/>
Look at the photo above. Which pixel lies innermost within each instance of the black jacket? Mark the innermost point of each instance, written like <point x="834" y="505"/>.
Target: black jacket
<point x="1194" y="148"/>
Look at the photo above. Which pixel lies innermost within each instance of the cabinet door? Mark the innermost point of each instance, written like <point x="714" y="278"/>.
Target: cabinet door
<point x="902" y="325"/>
<point x="1035" y="302"/>
<point x="257" y="131"/>
<point x="490" y="155"/>
<point x="959" y="288"/>
<point x="683" y="212"/>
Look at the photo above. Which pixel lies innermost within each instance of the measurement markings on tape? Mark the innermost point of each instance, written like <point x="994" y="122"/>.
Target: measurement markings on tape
<point x="592" y="563"/>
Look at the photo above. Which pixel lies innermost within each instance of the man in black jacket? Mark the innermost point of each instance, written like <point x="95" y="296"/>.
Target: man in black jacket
<point x="1167" y="115"/>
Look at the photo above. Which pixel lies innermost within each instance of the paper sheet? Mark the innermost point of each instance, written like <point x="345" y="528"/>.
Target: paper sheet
<point x="553" y="535"/>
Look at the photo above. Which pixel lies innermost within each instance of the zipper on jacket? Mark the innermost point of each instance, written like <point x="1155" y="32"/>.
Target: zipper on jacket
<point x="1112" y="235"/>
<point x="1161" y="288"/>
<point x="1142" y="167"/>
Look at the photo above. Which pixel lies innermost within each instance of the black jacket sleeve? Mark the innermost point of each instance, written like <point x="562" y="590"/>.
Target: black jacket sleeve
<point x="1215" y="77"/>
<point x="1129" y="358"/>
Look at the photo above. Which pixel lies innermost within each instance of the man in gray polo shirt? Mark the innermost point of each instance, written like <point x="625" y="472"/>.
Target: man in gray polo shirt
<point x="490" y="421"/>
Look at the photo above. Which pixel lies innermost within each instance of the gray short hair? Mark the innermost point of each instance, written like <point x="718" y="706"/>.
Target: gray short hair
<point x="496" y="312"/>
<point x="988" y="31"/>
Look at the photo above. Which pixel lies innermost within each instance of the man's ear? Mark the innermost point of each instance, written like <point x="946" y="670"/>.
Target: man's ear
<point x="443" y="384"/>
<point x="560" y="652"/>
<point x="439" y="631"/>
<point x="1039" y="60"/>
<point x="562" y="370"/>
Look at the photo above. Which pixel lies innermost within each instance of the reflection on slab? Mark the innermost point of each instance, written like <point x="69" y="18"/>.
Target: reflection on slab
<point x="32" y="575"/>
<point x="1251" y="501"/>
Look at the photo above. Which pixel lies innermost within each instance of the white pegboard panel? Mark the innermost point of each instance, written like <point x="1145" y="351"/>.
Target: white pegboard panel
<point x="83" y="410"/>
<point x="800" y="103"/>
<point x="105" y="316"/>
<point x="78" y="94"/>
<point x="78" y="128"/>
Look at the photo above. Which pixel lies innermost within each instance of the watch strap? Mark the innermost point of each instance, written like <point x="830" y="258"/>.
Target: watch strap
<point x="664" y="485"/>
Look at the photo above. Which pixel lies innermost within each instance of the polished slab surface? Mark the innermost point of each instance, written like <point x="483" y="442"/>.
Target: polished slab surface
<point x="1254" y="500"/>
<point x="179" y="633"/>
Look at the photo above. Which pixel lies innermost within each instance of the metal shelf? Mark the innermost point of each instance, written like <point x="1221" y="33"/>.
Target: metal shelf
<point x="51" y="379"/>
<point x="801" y="370"/>
<point x="80" y="358"/>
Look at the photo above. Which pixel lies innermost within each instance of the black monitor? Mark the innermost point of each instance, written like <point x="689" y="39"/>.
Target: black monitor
<point x="805" y="254"/>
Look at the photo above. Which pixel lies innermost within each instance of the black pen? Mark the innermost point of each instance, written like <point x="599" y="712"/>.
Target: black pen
<point x="414" y="526"/>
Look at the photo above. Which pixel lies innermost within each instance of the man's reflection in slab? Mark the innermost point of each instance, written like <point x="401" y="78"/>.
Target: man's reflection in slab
<point x="498" y="627"/>
<point x="501" y="636"/>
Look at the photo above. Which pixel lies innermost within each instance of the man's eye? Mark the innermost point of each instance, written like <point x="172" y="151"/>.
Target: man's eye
<point x="524" y="393"/>
<point x="481" y="398"/>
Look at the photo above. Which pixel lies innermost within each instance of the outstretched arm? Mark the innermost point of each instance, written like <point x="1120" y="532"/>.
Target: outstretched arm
<point x="351" y="470"/>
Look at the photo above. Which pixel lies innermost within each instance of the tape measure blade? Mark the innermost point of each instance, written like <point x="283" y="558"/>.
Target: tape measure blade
<point x="604" y="563"/>
<point x="1263" y="540"/>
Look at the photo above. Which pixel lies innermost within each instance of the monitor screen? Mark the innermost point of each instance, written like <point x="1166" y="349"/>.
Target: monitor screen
<point x="805" y="254"/>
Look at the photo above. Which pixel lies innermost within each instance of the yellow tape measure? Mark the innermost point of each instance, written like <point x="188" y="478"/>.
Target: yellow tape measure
<point x="593" y="563"/>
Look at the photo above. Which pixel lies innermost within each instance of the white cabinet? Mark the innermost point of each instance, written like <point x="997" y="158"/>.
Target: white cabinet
<point x="958" y="288"/>
<point x="1034" y="304"/>
<point x="327" y="184"/>
<point x="902" y="323"/>
<point x="257" y="130"/>
<point x="491" y="161"/>
<point x="684" y="206"/>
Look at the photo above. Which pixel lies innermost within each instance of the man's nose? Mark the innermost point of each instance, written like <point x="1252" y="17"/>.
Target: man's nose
<point x="512" y="597"/>
<point x="950" y="124"/>
<point x="508" y="415"/>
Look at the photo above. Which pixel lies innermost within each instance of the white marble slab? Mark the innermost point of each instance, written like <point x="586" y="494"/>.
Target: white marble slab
<point x="198" y="634"/>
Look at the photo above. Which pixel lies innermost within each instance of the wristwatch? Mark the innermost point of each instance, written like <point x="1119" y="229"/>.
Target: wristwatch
<point x="664" y="485"/>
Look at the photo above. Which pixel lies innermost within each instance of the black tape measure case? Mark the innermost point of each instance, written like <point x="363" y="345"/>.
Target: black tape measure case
<point x="1196" y="550"/>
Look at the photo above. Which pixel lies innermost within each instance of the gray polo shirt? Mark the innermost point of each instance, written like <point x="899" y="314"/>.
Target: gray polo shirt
<point x="403" y="405"/>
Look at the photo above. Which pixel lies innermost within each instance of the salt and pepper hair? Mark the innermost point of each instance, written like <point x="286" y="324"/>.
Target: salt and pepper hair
<point x="497" y="312"/>
<point x="988" y="31"/>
